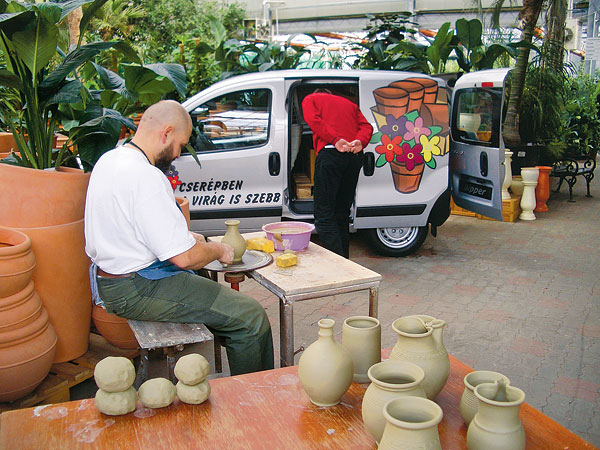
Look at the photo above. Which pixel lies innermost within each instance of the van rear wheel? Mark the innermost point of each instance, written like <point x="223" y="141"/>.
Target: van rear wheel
<point x="397" y="241"/>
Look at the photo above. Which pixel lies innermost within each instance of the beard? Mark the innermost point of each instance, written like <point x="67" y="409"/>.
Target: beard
<point x="164" y="159"/>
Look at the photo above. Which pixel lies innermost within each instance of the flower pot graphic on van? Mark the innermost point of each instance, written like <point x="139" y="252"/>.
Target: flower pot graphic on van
<point x="412" y="121"/>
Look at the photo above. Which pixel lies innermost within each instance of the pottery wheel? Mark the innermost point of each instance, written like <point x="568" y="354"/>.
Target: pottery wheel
<point x="252" y="259"/>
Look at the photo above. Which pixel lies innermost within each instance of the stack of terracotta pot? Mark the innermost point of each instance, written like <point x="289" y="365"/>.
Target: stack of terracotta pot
<point x="27" y="340"/>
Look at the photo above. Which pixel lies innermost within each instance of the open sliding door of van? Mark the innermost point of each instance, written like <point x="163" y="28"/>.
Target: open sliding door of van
<point x="477" y="150"/>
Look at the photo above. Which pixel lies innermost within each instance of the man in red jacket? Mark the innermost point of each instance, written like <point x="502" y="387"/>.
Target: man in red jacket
<point x="340" y="132"/>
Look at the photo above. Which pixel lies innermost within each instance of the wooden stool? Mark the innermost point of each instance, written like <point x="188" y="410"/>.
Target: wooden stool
<point x="172" y="336"/>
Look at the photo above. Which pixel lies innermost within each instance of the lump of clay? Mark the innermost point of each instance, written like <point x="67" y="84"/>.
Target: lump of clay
<point x="192" y="369"/>
<point x="115" y="403"/>
<point x="157" y="393"/>
<point x="193" y="394"/>
<point x="114" y="374"/>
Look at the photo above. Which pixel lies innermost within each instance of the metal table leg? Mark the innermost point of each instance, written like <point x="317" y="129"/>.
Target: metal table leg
<point x="373" y="301"/>
<point x="171" y="363"/>
<point x="286" y="332"/>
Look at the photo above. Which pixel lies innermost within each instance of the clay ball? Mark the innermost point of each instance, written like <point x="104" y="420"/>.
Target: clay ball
<point x="157" y="393"/>
<point x="115" y="403"/>
<point x="114" y="374"/>
<point x="194" y="394"/>
<point x="192" y="369"/>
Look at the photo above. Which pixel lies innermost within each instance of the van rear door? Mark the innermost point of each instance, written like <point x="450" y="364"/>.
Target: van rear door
<point x="477" y="151"/>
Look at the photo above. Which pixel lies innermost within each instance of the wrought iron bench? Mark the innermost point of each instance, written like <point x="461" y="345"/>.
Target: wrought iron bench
<point x="568" y="169"/>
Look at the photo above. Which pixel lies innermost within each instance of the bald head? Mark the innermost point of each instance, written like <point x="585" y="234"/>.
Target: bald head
<point x="165" y="113"/>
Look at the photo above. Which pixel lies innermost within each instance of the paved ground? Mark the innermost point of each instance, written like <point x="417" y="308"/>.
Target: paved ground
<point x="520" y="298"/>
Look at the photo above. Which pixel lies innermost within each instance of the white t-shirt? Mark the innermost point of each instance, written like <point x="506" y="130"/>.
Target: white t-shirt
<point x="131" y="217"/>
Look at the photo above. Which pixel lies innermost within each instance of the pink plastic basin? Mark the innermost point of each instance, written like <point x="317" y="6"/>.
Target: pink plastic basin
<point x="289" y="235"/>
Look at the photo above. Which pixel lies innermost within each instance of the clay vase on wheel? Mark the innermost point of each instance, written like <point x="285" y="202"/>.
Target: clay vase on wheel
<point x="325" y="369"/>
<point x="420" y="342"/>
<point x="235" y="239"/>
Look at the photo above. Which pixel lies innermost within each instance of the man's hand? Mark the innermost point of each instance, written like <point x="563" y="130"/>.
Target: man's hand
<point x="342" y="146"/>
<point x="227" y="255"/>
<point x="198" y="237"/>
<point x="355" y="146"/>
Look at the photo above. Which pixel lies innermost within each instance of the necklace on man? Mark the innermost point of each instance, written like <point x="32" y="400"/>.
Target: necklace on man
<point x="141" y="150"/>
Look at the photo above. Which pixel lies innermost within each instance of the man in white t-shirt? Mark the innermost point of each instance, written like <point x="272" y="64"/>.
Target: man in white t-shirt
<point x="138" y="239"/>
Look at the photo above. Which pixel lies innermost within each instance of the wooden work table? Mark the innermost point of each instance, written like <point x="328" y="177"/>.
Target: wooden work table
<point x="264" y="410"/>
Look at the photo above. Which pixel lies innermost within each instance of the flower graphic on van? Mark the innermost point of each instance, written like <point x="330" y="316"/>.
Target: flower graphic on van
<point x="430" y="148"/>
<point x="390" y="147"/>
<point x="411" y="156"/>
<point x="173" y="176"/>
<point x="415" y="129"/>
<point x="395" y="127"/>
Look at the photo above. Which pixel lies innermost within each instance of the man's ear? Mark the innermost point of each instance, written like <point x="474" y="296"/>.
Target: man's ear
<point x="166" y="134"/>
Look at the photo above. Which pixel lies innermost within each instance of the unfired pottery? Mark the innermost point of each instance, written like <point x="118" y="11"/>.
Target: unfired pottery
<point x="361" y="337"/>
<point x="235" y="239"/>
<point x="390" y="379"/>
<point x="420" y="341"/>
<point x="411" y="424"/>
<point x="468" y="402"/>
<point x="497" y="425"/>
<point x="325" y="369"/>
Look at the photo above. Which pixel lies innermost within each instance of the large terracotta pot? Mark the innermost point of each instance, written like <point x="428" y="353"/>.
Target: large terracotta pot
<point x="40" y="198"/>
<point x="26" y="355"/>
<point x="62" y="280"/>
<point x="113" y="328"/>
<point x="16" y="261"/>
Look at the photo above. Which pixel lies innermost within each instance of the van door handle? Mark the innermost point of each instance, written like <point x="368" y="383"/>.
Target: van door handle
<point x="483" y="164"/>
<point x="369" y="164"/>
<point x="274" y="164"/>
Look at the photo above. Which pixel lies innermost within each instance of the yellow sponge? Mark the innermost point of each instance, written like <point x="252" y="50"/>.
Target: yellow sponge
<point x="286" y="260"/>
<point x="260" y="243"/>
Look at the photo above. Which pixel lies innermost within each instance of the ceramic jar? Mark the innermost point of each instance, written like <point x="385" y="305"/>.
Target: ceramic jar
<point x="420" y="341"/>
<point x="16" y="261"/>
<point x="468" y="402"/>
<point x="361" y="337"/>
<point x="325" y="369"/>
<point x="497" y="425"/>
<point x="411" y="423"/>
<point x="235" y="239"/>
<point x="389" y="380"/>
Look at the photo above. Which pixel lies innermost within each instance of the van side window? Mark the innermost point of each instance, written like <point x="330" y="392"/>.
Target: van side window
<point x="232" y="121"/>
<point x="476" y="116"/>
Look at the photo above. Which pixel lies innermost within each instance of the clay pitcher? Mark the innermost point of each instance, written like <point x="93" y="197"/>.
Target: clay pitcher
<point x="325" y="369"/>
<point x="411" y="423"/>
<point x="468" y="402"/>
<point x="235" y="239"/>
<point x="361" y="337"/>
<point x="389" y="380"/>
<point x="497" y="424"/>
<point x="420" y="341"/>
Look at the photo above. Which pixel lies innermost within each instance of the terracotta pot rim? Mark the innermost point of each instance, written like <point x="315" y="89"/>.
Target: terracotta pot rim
<point x="63" y="225"/>
<point x="18" y="242"/>
<point x="404" y="367"/>
<point x="510" y="390"/>
<point x="483" y="373"/>
<point x="425" y="404"/>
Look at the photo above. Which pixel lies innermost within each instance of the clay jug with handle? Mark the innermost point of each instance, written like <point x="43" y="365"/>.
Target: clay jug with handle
<point x="325" y="368"/>
<point x="420" y="341"/>
<point x="235" y="239"/>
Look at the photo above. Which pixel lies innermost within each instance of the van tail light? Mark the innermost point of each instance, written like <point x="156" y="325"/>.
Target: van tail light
<point x="487" y="84"/>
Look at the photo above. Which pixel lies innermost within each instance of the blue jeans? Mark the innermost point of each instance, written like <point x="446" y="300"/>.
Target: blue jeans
<point x="237" y="319"/>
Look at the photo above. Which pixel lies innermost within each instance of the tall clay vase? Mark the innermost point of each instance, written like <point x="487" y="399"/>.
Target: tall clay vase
<point x="361" y="337"/>
<point x="507" y="175"/>
<point x="497" y="426"/>
<point x="420" y="341"/>
<point x="235" y="239"/>
<point x="325" y="369"/>
<point x="530" y="176"/>
<point x="542" y="190"/>
<point x="390" y="379"/>
<point x="411" y="424"/>
<point x="468" y="402"/>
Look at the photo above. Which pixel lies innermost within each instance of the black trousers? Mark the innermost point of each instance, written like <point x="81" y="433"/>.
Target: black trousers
<point x="336" y="175"/>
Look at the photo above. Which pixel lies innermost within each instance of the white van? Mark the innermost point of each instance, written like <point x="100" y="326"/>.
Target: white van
<point x="257" y="160"/>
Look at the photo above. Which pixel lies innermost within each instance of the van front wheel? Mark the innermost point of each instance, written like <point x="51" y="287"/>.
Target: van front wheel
<point x="397" y="241"/>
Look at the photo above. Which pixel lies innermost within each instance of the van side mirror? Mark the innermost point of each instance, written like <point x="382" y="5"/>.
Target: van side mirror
<point x="369" y="164"/>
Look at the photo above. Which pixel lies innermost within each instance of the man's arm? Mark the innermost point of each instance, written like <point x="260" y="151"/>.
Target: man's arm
<point x="203" y="253"/>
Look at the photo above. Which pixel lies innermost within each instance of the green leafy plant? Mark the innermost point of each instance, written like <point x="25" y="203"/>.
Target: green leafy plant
<point x="28" y="39"/>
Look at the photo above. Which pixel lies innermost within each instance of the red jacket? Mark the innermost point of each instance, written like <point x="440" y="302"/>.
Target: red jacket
<point x="332" y="118"/>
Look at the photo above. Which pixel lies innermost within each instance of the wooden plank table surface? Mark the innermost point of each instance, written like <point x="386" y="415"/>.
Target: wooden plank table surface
<point x="264" y="410"/>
